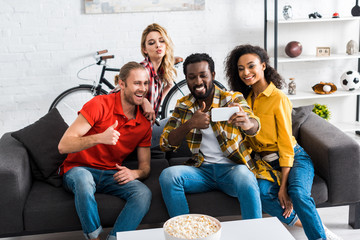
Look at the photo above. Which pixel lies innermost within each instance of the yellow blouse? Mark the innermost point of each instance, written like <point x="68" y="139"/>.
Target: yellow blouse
<point x="273" y="108"/>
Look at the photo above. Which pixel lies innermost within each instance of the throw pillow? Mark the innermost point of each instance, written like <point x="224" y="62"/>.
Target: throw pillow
<point x="41" y="140"/>
<point x="156" y="133"/>
<point x="299" y="116"/>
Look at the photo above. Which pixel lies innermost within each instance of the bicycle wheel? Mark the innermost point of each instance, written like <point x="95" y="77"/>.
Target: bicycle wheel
<point x="71" y="101"/>
<point x="174" y="94"/>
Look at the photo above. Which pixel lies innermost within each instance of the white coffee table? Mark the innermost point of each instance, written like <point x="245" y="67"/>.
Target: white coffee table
<point x="255" y="229"/>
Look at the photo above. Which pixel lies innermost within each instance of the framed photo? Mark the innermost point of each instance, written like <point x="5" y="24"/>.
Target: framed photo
<point x="323" y="51"/>
<point x="121" y="6"/>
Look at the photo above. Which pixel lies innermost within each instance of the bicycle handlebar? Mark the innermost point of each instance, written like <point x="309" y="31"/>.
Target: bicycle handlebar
<point x="106" y="57"/>
<point x="178" y="60"/>
<point x="101" y="52"/>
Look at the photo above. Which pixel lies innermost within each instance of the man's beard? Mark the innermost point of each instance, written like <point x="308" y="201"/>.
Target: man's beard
<point x="206" y="94"/>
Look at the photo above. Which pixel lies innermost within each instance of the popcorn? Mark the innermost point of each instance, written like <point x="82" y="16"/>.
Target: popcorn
<point x="191" y="226"/>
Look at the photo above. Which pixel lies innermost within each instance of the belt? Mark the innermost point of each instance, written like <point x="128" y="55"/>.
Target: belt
<point x="267" y="156"/>
<point x="264" y="153"/>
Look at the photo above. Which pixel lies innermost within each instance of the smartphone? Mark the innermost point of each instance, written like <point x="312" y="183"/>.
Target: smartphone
<point x="223" y="113"/>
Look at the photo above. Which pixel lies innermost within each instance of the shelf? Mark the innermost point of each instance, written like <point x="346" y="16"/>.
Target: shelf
<point x="350" y="24"/>
<point x="307" y="20"/>
<point x="302" y="95"/>
<point x="315" y="58"/>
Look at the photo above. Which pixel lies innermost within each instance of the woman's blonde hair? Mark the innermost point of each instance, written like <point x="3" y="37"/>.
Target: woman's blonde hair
<point x="167" y="64"/>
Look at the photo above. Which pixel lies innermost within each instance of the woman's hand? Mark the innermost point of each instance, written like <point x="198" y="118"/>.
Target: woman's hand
<point x="285" y="201"/>
<point x="148" y="110"/>
<point x="241" y="118"/>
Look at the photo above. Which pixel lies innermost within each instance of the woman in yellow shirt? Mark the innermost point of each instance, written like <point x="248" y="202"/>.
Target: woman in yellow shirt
<point x="287" y="194"/>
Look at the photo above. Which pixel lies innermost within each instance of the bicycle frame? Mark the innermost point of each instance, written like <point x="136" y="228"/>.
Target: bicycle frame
<point x="104" y="80"/>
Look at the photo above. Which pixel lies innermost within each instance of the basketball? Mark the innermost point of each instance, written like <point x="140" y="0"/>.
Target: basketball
<point x="293" y="49"/>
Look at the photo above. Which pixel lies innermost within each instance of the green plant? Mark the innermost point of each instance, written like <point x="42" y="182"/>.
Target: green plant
<point x="322" y="111"/>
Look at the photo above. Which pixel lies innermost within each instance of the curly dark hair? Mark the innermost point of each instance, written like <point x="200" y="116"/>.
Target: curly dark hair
<point x="199" y="57"/>
<point x="232" y="73"/>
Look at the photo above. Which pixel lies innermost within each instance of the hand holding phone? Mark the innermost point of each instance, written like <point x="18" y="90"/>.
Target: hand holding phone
<point x="223" y="113"/>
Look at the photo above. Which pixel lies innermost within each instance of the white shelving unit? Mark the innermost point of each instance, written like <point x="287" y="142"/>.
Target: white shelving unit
<point x="306" y="20"/>
<point x="308" y="58"/>
<point x="305" y="26"/>
<point x="302" y="95"/>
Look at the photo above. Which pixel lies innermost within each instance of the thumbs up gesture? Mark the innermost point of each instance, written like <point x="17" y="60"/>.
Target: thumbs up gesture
<point x="110" y="136"/>
<point x="200" y="119"/>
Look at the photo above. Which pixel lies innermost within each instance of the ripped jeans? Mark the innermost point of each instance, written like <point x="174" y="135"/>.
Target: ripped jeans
<point x="233" y="179"/>
<point x="299" y="189"/>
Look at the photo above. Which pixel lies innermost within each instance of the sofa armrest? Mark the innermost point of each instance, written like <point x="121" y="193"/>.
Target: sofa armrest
<point x="15" y="179"/>
<point x="336" y="158"/>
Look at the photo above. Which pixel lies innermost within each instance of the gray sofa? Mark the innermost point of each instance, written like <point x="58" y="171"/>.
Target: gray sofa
<point x="30" y="205"/>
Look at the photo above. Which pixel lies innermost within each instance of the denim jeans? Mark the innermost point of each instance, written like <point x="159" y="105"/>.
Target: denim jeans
<point x="84" y="182"/>
<point x="233" y="179"/>
<point x="299" y="189"/>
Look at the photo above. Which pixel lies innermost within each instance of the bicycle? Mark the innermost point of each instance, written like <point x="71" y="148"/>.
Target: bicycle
<point x="72" y="100"/>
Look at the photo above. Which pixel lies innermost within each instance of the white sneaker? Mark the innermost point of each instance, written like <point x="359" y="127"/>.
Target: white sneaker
<point x="330" y="235"/>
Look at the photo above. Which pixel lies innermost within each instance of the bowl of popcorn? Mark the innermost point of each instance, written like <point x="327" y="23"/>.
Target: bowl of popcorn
<point x="192" y="226"/>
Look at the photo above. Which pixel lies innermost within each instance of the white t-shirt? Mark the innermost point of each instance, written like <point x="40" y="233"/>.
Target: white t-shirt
<point x="210" y="148"/>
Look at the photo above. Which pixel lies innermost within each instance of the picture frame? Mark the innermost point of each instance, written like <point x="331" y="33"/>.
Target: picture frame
<point x="123" y="6"/>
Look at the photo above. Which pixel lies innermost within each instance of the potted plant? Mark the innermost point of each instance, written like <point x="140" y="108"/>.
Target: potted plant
<point x="322" y="111"/>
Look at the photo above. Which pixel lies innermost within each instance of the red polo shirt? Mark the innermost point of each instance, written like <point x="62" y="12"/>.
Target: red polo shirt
<point x="101" y="112"/>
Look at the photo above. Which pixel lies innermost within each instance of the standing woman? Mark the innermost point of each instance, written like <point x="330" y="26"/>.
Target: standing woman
<point x="285" y="193"/>
<point x="158" y="50"/>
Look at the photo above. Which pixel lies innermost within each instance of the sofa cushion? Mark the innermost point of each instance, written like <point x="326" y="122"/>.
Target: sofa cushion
<point x="41" y="141"/>
<point x="319" y="190"/>
<point x="299" y="116"/>
<point x="49" y="209"/>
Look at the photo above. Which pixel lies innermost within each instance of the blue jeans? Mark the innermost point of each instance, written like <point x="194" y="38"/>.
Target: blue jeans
<point x="84" y="182"/>
<point x="233" y="179"/>
<point x="299" y="189"/>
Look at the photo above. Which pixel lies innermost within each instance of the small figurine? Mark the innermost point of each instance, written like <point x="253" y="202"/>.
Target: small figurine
<point x="315" y="15"/>
<point x="335" y="15"/>
<point x="352" y="47"/>
<point x="287" y="12"/>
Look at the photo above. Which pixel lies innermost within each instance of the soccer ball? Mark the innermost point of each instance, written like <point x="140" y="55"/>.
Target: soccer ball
<point x="350" y="80"/>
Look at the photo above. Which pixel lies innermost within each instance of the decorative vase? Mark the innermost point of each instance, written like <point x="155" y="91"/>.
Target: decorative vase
<point x="355" y="11"/>
<point x="292" y="86"/>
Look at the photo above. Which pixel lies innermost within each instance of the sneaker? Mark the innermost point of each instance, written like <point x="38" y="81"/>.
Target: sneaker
<point x="330" y="235"/>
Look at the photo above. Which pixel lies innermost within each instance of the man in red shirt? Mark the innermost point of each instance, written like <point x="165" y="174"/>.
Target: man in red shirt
<point x="107" y="129"/>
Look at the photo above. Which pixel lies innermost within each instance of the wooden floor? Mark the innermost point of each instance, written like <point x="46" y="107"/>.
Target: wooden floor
<point x="335" y="218"/>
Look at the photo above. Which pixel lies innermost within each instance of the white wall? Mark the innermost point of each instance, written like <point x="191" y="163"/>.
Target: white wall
<point x="43" y="43"/>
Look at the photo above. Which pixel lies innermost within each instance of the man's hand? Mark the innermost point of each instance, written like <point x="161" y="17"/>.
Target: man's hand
<point x="241" y="118"/>
<point x="200" y="119"/>
<point x="124" y="175"/>
<point x="110" y="136"/>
